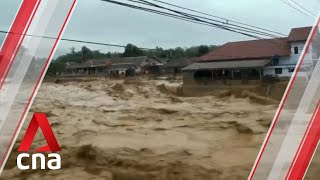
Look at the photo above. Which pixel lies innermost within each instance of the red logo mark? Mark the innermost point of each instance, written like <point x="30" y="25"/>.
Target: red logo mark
<point x="39" y="120"/>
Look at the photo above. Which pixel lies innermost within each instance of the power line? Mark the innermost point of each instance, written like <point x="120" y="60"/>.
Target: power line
<point x="73" y="40"/>
<point x="295" y="7"/>
<point x="186" y="16"/>
<point x="182" y="16"/>
<point x="91" y="42"/>
<point x="227" y="21"/>
<point x="115" y="45"/>
<point x="86" y="42"/>
<point x="167" y="14"/>
<point x="295" y="2"/>
<point x="196" y="17"/>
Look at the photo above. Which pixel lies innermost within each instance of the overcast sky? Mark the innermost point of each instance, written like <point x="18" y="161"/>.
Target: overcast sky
<point x="94" y="20"/>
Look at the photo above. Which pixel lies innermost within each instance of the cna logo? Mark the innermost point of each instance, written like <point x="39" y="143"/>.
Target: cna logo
<point x="54" y="159"/>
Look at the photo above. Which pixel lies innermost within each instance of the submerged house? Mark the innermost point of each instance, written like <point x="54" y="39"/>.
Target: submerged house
<point x="89" y="67"/>
<point x="175" y="66"/>
<point x="153" y="65"/>
<point x="135" y="65"/>
<point x="247" y="61"/>
<point x="127" y="66"/>
<point x="121" y="70"/>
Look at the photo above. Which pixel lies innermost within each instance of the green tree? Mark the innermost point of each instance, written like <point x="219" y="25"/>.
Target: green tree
<point x="56" y="68"/>
<point x="86" y="53"/>
<point x="203" y="49"/>
<point x="73" y="50"/>
<point x="132" y="51"/>
<point x="179" y="52"/>
<point x="192" y="51"/>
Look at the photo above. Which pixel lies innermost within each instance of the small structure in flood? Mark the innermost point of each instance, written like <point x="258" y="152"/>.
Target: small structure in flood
<point x="121" y="70"/>
<point x="116" y="67"/>
<point x="89" y="67"/>
<point x="175" y="66"/>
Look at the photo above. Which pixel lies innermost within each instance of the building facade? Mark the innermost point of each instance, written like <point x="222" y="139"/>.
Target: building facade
<point x="286" y="65"/>
<point x="253" y="60"/>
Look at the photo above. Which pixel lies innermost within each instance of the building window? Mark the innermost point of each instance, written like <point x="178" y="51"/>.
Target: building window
<point x="291" y="69"/>
<point x="296" y="50"/>
<point x="278" y="70"/>
<point x="275" y="60"/>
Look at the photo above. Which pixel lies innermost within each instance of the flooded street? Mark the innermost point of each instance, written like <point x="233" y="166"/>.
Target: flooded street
<point x="134" y="129"/>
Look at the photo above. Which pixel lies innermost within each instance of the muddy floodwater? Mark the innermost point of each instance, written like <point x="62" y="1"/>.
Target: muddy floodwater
<point x="135" y="130"/>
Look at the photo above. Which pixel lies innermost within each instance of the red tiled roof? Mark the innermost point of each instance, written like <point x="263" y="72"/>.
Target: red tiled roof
<point x="249" y="50"/>
<point x="299" y="34"/>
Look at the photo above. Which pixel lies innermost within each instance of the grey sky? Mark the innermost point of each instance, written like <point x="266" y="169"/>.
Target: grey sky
<point x="94" y="20"/>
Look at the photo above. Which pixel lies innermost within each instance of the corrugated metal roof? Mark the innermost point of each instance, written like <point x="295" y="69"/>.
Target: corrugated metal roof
<point x="89" y="63"/>
<point x="132" y="60"/>
<point x="122" y="66"/>
<point x="152" y="62"/>
<point x="180" y="62"/>
<point x="226" y="64"/>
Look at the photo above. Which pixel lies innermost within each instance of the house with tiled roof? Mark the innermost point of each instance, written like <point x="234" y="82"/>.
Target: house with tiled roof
<point x="252" y="60"/>
<point x="91" y="66"/>
<point x="126" y="66"/>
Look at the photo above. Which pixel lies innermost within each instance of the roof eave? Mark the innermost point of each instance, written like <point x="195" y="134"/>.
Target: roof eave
<point x="242" y="59"/>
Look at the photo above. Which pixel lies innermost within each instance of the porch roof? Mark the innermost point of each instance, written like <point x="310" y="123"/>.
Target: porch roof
<point x="226" y="65"/>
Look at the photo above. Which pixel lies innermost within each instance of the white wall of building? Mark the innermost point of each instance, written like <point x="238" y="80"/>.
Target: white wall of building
<point x="288" y="63"/>
<point x="295" y="57"/>
<point x="271" y="70"/>
<point x="305" y="71"/>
